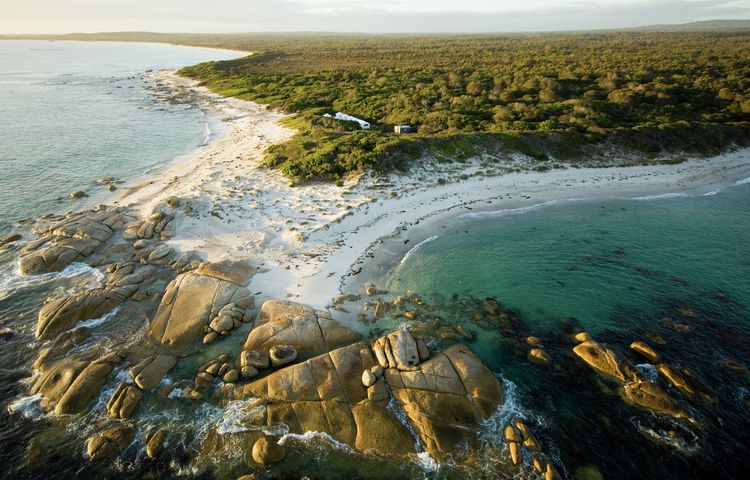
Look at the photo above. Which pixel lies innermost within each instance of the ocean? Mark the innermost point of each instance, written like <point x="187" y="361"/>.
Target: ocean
<point x="76" y="112"/>
<point x="672" y="269"/>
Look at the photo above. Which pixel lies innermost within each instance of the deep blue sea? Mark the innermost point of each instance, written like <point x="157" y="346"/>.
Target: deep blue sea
<point x="75" y="112"/>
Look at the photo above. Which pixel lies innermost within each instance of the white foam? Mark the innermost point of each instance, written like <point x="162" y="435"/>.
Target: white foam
<point x="27" y="406"/>
<point x="416" y="248"/>
<point x="237" y="416"/>
<point x="310" y="436"/>
<point x="648" y="370"/>
<point x="12" y="281"/>
<point x="516" y="211"/>
<point x="98" y="321"/>
<point x="743" y="181"/>
<point x="662" y="196"/>
<point x="426" y="462"/>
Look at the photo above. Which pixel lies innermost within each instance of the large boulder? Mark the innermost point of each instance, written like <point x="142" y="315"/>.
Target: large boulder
<point x="447" y="399"/>
<point x="62" y="314"/>
<point x="106" y="443"/>
<point x="190" y="302"/>
<point x="281" y="322"/>
<point x="649" y="396"/>
<point x="606" y="361"/>
<point x="148" y="373"/>
<point x="69" y="385"/>
<point x="397" y="350"/>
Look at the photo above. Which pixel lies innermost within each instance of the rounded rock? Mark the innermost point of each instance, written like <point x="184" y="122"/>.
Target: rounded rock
<point x="368" y="378"/>
<point x="282" y="355"/>
<point x="231" y="376"/>
<point x="268" y="452"/>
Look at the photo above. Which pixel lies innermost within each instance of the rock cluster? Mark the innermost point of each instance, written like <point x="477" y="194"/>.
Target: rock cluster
<point x="158" y="226"/>
<point x="230" y="316"/>
<point x="636" y="390"/>
<point x="69" y="239"/>
<point x="522" y="443"/>
<point x="400" y="350"/>
<point x="124" y="400"/>
<point x="220" y="367"/>
<point x="69" y="384"/>
<point x="61" y="314"/>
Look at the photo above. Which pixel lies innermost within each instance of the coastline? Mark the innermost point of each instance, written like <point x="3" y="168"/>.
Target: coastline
<point x="310" y="241"/>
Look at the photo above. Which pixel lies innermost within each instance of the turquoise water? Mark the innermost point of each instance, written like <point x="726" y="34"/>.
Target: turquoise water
<point x="673" y="269"/>
<point x="75" y="112"/>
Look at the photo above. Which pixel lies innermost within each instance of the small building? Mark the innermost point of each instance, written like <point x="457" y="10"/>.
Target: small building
<point x="403" y="129"/>
<point x="343" y="116"/>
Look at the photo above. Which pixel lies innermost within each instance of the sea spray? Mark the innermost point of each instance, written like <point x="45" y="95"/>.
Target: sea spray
<point x="27" y="406"/>
<point x="12" y="281"/>
<point x="95" y="322"/>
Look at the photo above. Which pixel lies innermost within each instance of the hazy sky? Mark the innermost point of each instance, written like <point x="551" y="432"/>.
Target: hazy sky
<point x="63" y="16"/>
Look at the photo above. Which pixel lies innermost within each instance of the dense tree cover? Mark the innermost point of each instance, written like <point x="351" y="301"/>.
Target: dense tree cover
<point x="652" y="92"/>
<point x="544" y="94"/>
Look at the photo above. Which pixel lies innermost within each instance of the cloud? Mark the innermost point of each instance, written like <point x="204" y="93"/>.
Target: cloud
<point x="354" y="16"/>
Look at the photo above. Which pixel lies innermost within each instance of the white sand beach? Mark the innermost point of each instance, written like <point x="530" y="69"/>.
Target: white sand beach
<point x="305" y="239"/>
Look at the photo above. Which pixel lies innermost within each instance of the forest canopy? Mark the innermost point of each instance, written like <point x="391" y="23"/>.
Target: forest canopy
<point x="547" y="95"/>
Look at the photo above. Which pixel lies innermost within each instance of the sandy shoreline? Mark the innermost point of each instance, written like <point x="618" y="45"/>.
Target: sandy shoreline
<point x="307" y="240"/>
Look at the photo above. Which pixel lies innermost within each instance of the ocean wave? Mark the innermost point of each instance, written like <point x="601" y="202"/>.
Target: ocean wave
<point x="11" y="280"/>
<point x="516" y="211"/>
<point x="27" y="406"/>
<point x="209" y="133"/>
<point x="662" y="196"/>
<point x="308" y="437"/>
<point x="98" y="321"/>
<point x="416" y="247"/>
<point x="743" y="181"/>
<point x="710" y="194"/>
<point x="236" y="417"/>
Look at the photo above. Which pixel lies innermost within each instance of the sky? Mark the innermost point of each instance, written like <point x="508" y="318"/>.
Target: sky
<point x="382" y="16"/>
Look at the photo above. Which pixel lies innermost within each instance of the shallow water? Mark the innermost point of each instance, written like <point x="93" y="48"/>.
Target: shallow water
<point x="74" y="112"/>
<point x="665" y="268"/>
